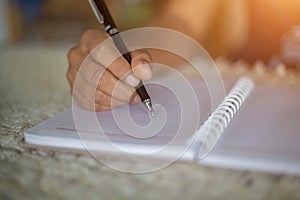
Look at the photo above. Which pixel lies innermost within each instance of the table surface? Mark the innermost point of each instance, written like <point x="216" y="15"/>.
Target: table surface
<point x="33" y="87"/>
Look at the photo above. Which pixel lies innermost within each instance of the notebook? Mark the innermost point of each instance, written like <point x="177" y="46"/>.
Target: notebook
<point x="254" y="127"/>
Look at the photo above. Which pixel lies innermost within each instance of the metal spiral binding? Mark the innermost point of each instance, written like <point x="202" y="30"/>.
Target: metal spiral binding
<point x="213" y="127"/>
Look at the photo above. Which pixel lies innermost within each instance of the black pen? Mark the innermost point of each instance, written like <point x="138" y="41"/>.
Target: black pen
<point x="104" y="17"/>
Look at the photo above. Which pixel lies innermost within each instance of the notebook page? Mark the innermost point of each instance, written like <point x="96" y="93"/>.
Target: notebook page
<point x="265" y="134"/>
<point x="133" y="124"/>
<point x="185" y="117"/>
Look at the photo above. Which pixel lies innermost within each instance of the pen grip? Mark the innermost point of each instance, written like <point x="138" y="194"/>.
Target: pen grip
<point x="140" y="88"/>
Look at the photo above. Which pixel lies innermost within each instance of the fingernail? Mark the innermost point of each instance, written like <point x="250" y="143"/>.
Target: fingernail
<point x="144" y="71"/>
<point x="136" y="99"/>
<point x="132" y="80"/>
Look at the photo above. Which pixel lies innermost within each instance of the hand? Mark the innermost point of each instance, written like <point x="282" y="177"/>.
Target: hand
<point x="100" y="84"/>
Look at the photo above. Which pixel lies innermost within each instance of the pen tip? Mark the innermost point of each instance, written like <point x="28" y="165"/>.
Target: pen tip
<point x="148" y="104"/>
<point x="152" y="113"/>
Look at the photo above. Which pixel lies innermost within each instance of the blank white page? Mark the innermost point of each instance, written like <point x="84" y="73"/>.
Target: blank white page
<point x="175" y="121"/>
<point x="265" y="134"/>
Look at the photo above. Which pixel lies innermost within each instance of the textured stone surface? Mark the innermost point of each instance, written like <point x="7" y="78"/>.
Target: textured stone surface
<point x="33" y="87"/>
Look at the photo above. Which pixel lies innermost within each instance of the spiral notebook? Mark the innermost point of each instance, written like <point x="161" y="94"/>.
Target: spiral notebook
<point x="259" y="130"/>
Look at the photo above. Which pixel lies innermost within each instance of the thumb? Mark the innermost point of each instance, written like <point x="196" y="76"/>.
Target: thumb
<point x="141" y="64"/>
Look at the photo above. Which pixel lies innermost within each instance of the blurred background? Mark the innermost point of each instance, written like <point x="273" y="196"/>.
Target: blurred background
<point x="35" y="37"/>
<point x="265" y="30"/>
<point x="62" y="22"/>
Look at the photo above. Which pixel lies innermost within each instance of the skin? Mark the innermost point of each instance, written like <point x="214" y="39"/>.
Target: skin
<point x="97" y="87"/>
<point x="234" y="29"/>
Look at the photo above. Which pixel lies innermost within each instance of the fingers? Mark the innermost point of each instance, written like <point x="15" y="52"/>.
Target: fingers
<point x="106" y="53"/>
<point x="103" y="80"/>
<point x="71" y="75"/>
<point x="92" y="97"/>
<point x="98" y="80"/>
<point x="121" y="69"/>
<point x="92" y="38"/>
<point x="83" y="90"/>
<point x="141" y="66"/>
<point x="75" y="58"/>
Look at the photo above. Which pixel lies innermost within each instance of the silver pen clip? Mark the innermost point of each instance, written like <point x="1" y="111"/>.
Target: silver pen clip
<point x="96" y="11"/>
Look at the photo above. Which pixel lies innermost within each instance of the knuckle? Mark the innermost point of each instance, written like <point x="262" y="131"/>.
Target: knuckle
<point x="93" y="34"/>
<point x="71" y="54"/>
<point x="88" y="34"/>
<point x="69" y="74"/>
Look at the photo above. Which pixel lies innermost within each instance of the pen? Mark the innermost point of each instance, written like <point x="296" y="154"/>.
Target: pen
<point x="104" y="17"/>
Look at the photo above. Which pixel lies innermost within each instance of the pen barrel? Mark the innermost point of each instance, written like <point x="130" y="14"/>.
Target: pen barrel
<point x="111" y="29"/>
<point x="108" y="20"/>
<point x="140" y="89"/>
<point x="142" y="92"/>
<point x="121" y="46"/>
